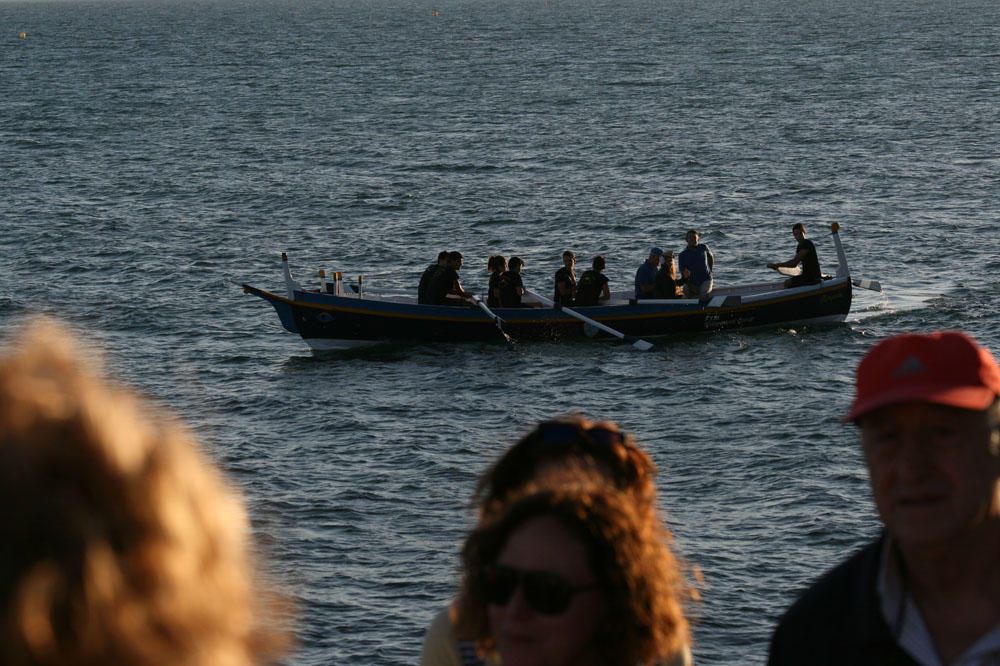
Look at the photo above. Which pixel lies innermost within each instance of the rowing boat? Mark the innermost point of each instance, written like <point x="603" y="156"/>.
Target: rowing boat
<point x="333" y="318"/>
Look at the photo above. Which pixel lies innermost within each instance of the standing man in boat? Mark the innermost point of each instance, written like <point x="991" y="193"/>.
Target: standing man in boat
<point x="565" y="290"/>
<point x="645" y="276"/>
<point x="696" y="262"/>
<point x="423" y="296"/>
<point x="927" y="591"/>
<point x="445" y="282"/>
<point x="805" y="254"/>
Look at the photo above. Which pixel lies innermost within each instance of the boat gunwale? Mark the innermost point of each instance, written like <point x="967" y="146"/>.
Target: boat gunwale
<point x="637" y="311"/>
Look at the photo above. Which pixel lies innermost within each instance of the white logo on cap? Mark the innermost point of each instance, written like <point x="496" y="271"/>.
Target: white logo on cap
<point x="911" y="365"/>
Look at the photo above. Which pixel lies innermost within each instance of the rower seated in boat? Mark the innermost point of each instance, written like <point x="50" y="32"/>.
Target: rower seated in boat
<point x="445" y="283"/>
<point x="497" y="266"/>
<point x="645" y="275"/>
<point x="805" y="256"/>
<point x="423" y="290"/>
<point x="666" y="284"/>
<point x="565" y="280"/>
<point x="592" y="289"/>
<point x="510" y="287"/>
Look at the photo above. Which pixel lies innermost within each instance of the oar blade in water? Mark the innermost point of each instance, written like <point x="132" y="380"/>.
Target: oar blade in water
<point x="639" y="344"/>
<point x="867" y="284"/>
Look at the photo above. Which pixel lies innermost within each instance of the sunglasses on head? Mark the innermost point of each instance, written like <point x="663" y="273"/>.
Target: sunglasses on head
<point x="569" y="432"/>
<point x="544" y="592"/>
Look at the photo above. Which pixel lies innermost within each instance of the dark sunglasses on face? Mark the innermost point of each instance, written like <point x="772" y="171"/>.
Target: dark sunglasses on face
<point x="568" y="432"/>
<point x="544" y="592"/>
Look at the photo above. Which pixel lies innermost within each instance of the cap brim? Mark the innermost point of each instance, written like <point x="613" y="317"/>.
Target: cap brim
<point x="963" y="397"/>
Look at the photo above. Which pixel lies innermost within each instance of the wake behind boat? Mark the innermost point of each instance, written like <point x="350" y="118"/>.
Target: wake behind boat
<point x="330" y="319"/>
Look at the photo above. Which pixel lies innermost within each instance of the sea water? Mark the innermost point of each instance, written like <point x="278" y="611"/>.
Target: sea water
<point x="156" y="154"/>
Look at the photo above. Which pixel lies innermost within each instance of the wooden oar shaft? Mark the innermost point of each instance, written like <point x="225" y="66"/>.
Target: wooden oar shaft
<point x="635" y="342"/>
<point x="492" y="315"/>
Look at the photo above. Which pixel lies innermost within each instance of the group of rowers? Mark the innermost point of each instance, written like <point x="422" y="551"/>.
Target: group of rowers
<point x="656" y="278"/>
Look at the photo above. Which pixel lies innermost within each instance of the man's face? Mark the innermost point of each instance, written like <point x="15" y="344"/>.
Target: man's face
<point x="799" y="235"/>
<point x="456" y="263"/>
<point x="654" y="259"/>
<point x="935" y="472"/>
<point x="569" y="260"/>
<point x="692" y="239"/>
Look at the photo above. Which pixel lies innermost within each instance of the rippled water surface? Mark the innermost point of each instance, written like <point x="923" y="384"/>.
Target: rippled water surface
<point x="156" y="154"/>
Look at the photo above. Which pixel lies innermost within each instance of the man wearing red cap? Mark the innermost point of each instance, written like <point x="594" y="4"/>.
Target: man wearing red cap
<point x="928" y="590"/>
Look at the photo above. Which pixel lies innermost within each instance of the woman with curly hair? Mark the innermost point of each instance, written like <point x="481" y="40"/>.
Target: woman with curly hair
<point x="548" y="449"/>
<point x="571" y="573"/>
<point x="123" y="544"/>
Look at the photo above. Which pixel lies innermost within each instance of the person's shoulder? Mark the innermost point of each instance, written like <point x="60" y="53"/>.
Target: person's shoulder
<point x="843" y="579"/>
<point x="839" y="603"/>
<point x="440" y="647"/>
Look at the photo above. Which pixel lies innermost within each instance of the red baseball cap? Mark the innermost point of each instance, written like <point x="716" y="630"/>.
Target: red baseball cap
<point x="944" y="368"/>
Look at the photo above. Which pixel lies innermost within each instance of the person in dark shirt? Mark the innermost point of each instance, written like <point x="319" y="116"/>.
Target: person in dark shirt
<point x="666" y="283"/>
<point x="593" y="289"/>
<point x="645" y="276"/>
<point x="805" y="255"/>
<point x="445" y="282"/>
<point x="510" y="287"/>
<point x="497" y="267"/>
<point x="565" y="291"/>
<point x="425" y="280"/>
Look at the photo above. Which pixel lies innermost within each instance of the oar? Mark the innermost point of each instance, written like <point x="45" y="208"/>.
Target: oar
<point x="867" y="284"/>
<point x="635" y="342"/>
<point x="489" y="313"/>
<point x="857" y="282"/>
<point x="784" y="270"/>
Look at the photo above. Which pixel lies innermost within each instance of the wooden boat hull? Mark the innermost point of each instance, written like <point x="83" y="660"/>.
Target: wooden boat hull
<point x="327" y="321"/>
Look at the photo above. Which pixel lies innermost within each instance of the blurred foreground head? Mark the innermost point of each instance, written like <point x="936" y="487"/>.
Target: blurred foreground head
<point x="123" y="544"/>
<point x="576" y="441"/>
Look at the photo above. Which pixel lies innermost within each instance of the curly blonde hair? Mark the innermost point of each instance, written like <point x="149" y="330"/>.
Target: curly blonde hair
<point x="123" y="543"/>
<point x="644" y="588"/>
